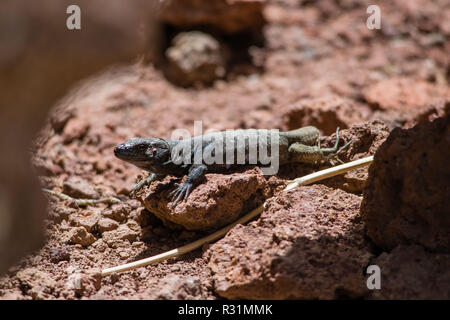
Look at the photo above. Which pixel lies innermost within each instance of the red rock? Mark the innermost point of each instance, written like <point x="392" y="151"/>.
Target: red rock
<point x="106" y="224"/>
<point x="143" y="217"/>
<point x="410" y="272"/>
<point x="175" y="287"/>
<point x="79" y="188"/>
<point x="79" y="235"/>
<point x="403" y="98"/>
<point x="403" y="94"/>
<point x="58" y="254"/>
<point x="430" y="112"/>
<point x="195" y="57"/>
<point x="75" y="129"/>
<point x="88" y="220"/>
<point x="407" y="198"/>
<point x="59" y="213"/>
<point x="220" y="200"/>
<point x="59" y="118"/>
<point x="367" y="138"/>
<point x="123" y="232"/>
<point x="308" y="244"/>
<point x="227" y="16"/>
<point x="101" y="165"/>
<point x="118" y="212"/>
<point x="91" y="281"/>
<point x="85" y="283"/>
<point x="325" y="113"/>
<point x="46" y="168"/>
<point x="36" y="283"/>
<point x="12" y="295"/>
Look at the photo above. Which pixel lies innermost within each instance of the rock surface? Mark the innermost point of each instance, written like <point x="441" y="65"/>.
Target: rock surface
<point x="403" y="94"/>
<point x="79" y="235"/>
<point x="312" y="50"/>
<point x="36" y="282"/>
<point x="195" y="58"/>
<point x="220" y="200"/>
<point x="410" y="272"/>
<point x="308" y="244"/>
<point x="224" y="15"/>
<point x="404" y="99"/>
<point x="129" y="231"/>
<point x="407" y="198"/>
<point x="106" y="224"/>
<point x="175" y="287"/>
<point x="325" y="113"/>
<point x="367" y="138"/>
<point x="79" y="188"/>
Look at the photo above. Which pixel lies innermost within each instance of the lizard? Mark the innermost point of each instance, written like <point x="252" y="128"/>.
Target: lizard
<point x="155" y="155"/>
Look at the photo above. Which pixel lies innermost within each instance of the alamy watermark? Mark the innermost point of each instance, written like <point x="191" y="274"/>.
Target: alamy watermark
<point x="374" y="20"/>
<point x="374" y="280"/>
<point x="73" y="22"/>
<point x="74" y="279"/>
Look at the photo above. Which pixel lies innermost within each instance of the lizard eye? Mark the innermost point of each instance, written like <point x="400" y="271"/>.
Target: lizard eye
<point x="151" y="151"/>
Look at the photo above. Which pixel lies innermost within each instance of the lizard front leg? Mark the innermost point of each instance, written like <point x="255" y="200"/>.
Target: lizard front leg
<point x="196" y="173"/>
<point x="143" y="182"/>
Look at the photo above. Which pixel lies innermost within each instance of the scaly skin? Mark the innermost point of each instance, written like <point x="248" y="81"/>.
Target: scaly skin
<point x="154" y="154"/>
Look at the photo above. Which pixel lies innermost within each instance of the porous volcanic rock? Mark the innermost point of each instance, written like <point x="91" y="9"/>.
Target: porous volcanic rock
<point x="195" y="57"/>
<point x="308" y="244"/>
<point x="403" y="94"/>
<point x="88" y="220"/>
<point x="434" y="110"/>
<point x="325" y="113"/>
<point x="77" y="187"/>
<point x="129" y="231"/>
<point x="174" y="287"/>
<point x="410" y="272"/>
<point x="223" y="15"/>
<point x="407" y="198"/>
<point x="404" y="99"/>
<point x="75" y="129"/>
<point x="37" y="283"/>
<point x="79" y="235"/>
<point x="220" y="200"/>
<point x="366" y="139"/>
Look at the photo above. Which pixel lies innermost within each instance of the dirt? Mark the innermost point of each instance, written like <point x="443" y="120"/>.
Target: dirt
<point x="318" y="65"/>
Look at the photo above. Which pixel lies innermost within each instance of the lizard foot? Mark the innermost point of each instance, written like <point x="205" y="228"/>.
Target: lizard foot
<point x="330" y="153"/>
<point x="336" y="153"/>
<point x="182" y="191"/>
<point x="141" y="184"/>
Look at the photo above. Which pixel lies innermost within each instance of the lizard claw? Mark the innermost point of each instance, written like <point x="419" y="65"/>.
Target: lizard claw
<point x="335" y="151"/>
<point x="334" y="154"/>
<point x="141" y="184"/>
<point x="182" y="191"/>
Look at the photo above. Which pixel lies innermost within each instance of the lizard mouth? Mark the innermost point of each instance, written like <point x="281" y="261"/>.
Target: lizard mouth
<point x="124" y="153"/>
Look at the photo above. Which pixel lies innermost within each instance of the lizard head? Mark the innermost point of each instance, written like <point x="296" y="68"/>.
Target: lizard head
<point x="143" y="152"/>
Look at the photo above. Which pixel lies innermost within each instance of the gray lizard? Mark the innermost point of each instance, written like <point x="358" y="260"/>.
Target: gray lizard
<point x="162" y="157"/>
